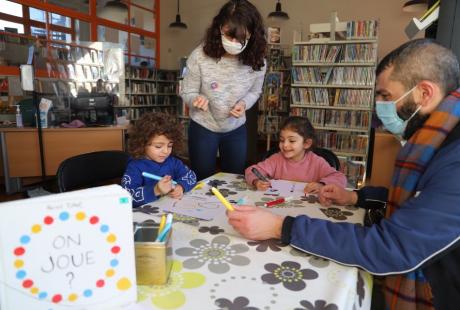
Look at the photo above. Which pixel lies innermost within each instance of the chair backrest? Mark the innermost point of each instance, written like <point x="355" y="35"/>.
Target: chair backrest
<point x="91" y="169"/>
<point x="328" y="155"/>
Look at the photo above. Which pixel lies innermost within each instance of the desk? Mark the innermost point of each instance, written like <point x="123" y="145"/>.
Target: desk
<point x="21" y="153"/>
<point x="215" y="268"/>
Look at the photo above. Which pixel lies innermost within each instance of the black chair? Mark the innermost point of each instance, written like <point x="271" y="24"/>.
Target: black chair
<point x="91" y="169"/>
<point x="328" y="155"/>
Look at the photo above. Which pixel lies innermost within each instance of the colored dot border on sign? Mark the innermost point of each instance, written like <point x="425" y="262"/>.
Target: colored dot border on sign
<point x="81" y="217"/>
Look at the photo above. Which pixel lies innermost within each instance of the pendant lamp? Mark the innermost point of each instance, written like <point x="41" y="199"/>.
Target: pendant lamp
<point x="117" y="5"/>
<point x="178" y="23"/>
<point x="415" y="6"/>
<point x="278" y="13"/>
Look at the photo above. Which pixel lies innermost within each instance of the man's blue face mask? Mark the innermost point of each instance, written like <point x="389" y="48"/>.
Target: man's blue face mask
<point x="387" y="113"/>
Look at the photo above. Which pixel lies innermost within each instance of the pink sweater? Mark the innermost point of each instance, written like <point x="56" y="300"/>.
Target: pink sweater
<point x="312" y="168"/>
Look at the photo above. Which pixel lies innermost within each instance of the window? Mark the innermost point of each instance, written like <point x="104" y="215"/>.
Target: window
<point x="11" y="27"/>
<point x="11" y="8"/>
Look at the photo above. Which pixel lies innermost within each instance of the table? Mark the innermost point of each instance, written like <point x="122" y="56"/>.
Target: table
<point x="215" y="268"/>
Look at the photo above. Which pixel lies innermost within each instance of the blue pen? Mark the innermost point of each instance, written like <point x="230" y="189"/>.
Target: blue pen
<point x="162" y="234"/>
<point x="155" y="177"/>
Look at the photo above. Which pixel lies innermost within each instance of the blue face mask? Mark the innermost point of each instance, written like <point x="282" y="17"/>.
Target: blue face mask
<point x="387" y="113"/>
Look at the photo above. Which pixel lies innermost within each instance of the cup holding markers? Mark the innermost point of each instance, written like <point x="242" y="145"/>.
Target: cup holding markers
<point x="153" y="252"/>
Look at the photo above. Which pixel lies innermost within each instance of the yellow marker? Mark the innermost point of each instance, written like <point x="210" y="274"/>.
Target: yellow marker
<point x="198" y="186"/>
<point x="222" y="199"/>
<point x="162" y="224"/>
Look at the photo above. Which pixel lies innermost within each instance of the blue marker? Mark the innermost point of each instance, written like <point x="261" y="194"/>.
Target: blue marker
<point x="155" y="177"/>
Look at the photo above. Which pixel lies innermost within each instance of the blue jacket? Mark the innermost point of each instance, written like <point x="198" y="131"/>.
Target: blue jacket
<point x="424" y="233"/>
<point x="141" y="188"/>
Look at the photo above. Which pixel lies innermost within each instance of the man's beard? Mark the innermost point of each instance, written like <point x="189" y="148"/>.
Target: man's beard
<point x="416" y="122"/>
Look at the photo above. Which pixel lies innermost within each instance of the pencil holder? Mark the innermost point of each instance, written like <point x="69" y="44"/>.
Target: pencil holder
<point x="153" y="259"/>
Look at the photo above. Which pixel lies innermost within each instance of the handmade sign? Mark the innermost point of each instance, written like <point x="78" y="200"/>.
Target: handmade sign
<point x="70" y="250"/>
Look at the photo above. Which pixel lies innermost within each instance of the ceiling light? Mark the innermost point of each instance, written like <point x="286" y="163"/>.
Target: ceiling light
<point x="178" y="23"/>
<point x="414" y="6"/>
<point x="278" y="13"/>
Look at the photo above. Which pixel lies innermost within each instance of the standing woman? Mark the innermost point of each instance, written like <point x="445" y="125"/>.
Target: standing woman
<point x="224" y="78"/>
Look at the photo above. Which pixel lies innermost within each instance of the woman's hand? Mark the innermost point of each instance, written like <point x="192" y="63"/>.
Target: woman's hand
<point x="201" y="103"/>
<point x="239" y="109"/>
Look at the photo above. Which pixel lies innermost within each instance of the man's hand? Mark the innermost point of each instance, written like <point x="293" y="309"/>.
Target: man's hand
<point x="312" y="188"/>
<point x="261" y="185"/>
<point x="255" y="223"/>
<point x="164" y="186"/>
<point x="201" y="103"/>
<point x="332" y="193"/>
<point x="177" y="192"/>
<point x="238" y="109"/>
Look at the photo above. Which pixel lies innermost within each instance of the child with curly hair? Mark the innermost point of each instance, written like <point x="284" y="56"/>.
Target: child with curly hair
<point x="295" y="161"/>
<point x="151" y="142"/>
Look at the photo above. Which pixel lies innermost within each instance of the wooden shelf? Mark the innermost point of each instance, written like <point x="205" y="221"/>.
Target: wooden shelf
<point x="365" y="130"/>
<point x="310" y="106"/>
<point x="332" y="86"/>
<point x="332" y="64"/>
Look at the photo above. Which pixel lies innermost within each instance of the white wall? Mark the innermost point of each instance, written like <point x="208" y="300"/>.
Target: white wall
<point x="197" y="14"/>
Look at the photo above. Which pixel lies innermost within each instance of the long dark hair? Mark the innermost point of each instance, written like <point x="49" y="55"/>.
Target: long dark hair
<point x="241" y="16"/>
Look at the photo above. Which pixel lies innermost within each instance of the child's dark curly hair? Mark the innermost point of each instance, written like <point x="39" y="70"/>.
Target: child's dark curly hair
<point x="301" y="125"/>
<point x="241" y="16"/>
<point x="150" y="125"/>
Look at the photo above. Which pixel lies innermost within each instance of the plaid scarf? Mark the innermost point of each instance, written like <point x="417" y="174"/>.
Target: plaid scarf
<point x="411" y="291"/>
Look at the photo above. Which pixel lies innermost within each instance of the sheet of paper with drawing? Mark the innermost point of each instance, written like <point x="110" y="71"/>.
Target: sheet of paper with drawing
<point x="197" y="205"/>
<point x="283" y="188"/>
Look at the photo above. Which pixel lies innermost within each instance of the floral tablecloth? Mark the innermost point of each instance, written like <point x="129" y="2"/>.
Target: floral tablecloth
<point x="215" y="268"/>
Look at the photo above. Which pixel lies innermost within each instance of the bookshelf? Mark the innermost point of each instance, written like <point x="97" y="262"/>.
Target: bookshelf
<point x="333" y="85"/>
<point x="275" y="99"/>
<point x="149" y="89"/>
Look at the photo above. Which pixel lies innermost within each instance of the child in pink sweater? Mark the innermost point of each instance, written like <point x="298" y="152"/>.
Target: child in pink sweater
<point x="295" y="161"/>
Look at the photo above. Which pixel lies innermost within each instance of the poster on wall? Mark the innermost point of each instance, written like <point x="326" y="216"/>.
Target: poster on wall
<point x="68" y="251"/>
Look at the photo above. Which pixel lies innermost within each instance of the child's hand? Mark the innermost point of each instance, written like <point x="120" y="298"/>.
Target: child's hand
<point x="312" y="188"/>
<point x="164" y="186"/>
<point x="177" y="192"/>
<point x="261" y="185"/>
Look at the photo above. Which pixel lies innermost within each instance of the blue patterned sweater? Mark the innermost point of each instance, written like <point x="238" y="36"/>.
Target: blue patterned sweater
<point x="141" y="188"/>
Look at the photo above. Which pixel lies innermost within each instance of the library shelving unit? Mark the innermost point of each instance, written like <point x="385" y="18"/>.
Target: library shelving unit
<point x="333" y="84"/>
<point x="149" y="89"/>
<point x="275" y="99"/>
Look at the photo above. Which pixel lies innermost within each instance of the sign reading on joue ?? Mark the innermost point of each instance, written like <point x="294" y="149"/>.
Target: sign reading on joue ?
<point x="71" y="250"/>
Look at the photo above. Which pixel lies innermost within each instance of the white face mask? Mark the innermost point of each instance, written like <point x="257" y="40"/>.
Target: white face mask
<point x="233" y="48"/>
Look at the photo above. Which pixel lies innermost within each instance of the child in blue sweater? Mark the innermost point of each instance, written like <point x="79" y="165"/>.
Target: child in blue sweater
<point x="151" y="142"/>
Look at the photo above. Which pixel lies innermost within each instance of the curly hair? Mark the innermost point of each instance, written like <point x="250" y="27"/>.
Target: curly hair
<point x="150" y="125"/>
<point x="241" y="17"/>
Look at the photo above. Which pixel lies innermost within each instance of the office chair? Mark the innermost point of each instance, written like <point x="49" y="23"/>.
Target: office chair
<point x="91" y="169"/>
<point x="328" y="155"/>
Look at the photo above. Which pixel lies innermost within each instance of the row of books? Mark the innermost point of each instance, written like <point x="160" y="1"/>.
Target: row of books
<point x="325" y="53"/>
<point x="361" y="76"/>
<point x="141" y="88"/>
<point x="139" y="73"/>
<point x="332" y="97"/>
<point x="74" y="71"/>
<point x="362" y="29"/>
<point x="78" y="55"/>
<point x="134" y="114"/>
<point x="335" y="118"/>
<point x="267" y="124"/>
<point x="168" y="88"/>
<point x="342" y="142"/>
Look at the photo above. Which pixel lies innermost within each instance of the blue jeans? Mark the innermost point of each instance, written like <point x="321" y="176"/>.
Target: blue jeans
<point x="203" y="145"/>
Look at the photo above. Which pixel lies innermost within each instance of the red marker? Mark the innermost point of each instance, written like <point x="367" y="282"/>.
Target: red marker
<point x="276" y="202"/>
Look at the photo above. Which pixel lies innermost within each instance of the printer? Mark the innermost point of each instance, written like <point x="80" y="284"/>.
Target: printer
<point x="94" y="109"/>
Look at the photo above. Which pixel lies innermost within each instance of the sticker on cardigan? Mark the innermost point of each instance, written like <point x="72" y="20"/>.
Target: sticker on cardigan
<point x="214" y="85"/>
<point x="72" y="250"/>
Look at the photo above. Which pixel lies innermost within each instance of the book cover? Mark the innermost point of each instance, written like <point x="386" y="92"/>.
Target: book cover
<point x="68" y="251"/>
